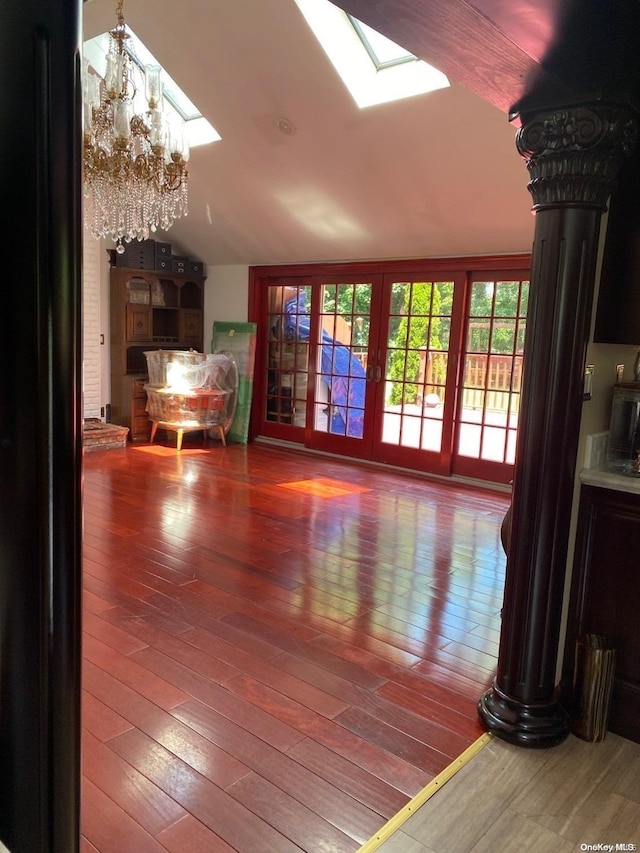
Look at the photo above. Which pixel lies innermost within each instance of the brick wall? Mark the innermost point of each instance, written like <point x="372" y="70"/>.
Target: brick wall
<point x="91" y="349"/>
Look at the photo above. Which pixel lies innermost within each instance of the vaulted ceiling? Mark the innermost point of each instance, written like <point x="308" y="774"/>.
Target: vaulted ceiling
<point x="432" y="175"/>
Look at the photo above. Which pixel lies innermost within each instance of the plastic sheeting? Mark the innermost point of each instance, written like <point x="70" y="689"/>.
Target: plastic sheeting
<point x="238" y="340"/>
<point x="340" y="369"/>
<point x="182" y="385"/>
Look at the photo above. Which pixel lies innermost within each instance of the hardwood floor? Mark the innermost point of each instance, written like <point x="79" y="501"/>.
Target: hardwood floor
<point x="280" y="650"/>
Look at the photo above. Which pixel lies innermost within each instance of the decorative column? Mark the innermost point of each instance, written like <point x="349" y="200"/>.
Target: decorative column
<point x="573" y="155"/>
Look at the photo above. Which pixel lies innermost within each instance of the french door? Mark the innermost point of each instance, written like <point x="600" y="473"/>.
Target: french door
<point x="321" y="362"/>
<point x="491" y="376"/>
<point x="416" y="370"/>
<point x="420" y="334"/>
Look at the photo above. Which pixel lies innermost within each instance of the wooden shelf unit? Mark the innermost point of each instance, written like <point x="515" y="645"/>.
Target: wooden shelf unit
<point x="149" y="310"/>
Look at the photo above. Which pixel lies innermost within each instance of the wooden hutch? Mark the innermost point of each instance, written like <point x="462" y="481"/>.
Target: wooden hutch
<point x="150" y="310"/>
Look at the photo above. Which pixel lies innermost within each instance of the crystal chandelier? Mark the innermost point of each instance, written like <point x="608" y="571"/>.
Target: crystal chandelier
<point x="135" y="165"/>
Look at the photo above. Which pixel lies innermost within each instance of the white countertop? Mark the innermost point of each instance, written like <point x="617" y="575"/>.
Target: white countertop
<point x="600" y="476"/>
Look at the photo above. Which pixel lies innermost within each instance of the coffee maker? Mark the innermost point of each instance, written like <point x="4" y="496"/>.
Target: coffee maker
<point x="623" y="450"/>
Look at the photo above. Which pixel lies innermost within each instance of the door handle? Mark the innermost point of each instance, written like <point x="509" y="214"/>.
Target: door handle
<point x="377" y="373"/>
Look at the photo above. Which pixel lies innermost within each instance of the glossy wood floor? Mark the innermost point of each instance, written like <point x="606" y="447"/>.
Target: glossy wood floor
<point x="280" y="650"/>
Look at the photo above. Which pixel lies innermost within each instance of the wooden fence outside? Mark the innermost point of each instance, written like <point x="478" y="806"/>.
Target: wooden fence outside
<point x="492" y="382"/>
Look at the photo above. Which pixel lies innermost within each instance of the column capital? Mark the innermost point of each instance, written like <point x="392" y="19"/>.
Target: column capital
<point x="573" y="153"/>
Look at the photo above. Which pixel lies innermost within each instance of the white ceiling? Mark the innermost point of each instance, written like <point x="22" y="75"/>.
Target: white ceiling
<point x="434" y="175"/>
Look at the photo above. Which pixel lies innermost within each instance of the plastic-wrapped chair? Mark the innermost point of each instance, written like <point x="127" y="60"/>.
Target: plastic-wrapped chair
<point x="194" y="393"/>
<point x="223" y="373"/>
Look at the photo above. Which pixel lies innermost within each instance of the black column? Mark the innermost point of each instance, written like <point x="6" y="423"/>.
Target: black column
<point x="573" y="156"/>
<point x="40" y="426"/>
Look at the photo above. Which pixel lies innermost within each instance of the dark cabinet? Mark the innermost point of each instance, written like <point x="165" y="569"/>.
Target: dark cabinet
<point x="191" y="327"/>
<point x="605" y="595"/>
<point x="149" y="310"/>
<point x="618" y="308"/>
<point x="140" y="423"/>
<point x="138" y="323"/>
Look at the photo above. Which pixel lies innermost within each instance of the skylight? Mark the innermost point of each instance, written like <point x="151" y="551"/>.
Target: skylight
<point x="373" y="68"/>
<point x="382" y="50"/>
<point x="199" y="130"/>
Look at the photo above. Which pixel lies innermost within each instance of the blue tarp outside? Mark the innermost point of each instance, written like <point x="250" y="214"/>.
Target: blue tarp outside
<point x="340" y="369"/>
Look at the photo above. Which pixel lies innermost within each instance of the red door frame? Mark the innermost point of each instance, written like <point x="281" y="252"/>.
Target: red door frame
<point x="260" y="277"/>
<point x="469" y="466"/>
<point x="413" y="458"/>
<point x="331" y="442"/>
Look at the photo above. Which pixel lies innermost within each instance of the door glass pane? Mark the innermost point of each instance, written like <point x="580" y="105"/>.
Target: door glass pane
<point x="503" y="337"/>
<point x="416" y="369"/>
<point x="341" y="363"/>
<point x="440" y="334"/>
<point x="507" y="298"/>
<point x="470" y="437"/>
<point x="493" y="370"/>
<point x="288" y="354"/>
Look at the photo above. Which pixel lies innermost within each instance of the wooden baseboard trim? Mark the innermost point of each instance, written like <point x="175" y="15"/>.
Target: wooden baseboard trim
<point x="425" y="794"/>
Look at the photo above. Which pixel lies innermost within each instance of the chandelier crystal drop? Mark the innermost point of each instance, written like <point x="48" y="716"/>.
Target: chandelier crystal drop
<point x="135" y="165"/>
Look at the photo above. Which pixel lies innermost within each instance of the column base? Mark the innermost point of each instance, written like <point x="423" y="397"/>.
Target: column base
<point x="534" y="726"/>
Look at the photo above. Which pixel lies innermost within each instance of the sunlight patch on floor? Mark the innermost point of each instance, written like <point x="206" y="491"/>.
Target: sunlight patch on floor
<point x="324" y="488"/>
<point x="159" y="450"/>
